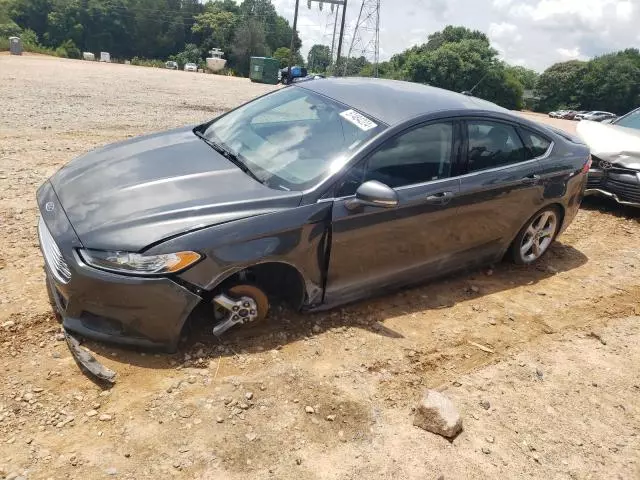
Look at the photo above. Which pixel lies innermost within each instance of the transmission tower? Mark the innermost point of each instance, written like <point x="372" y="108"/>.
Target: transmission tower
<point x="365" y="41"/>
<point x="335" y="5"/>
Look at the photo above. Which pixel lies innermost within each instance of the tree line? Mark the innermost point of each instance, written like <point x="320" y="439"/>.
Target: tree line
<point x="461" y="59"/>
<point x="456" y="58"/>
<point x="610" y="82"/>
<point x="184" y="30"/>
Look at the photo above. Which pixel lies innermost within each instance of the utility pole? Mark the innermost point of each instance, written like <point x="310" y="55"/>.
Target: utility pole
<point x="293" y="39"/>
<point x="335" y="29"/>
<point x="344" y="15"/>
<point x="353" y="40"/>
<point x="376" y="60"/>
<point x="339" y="3"/>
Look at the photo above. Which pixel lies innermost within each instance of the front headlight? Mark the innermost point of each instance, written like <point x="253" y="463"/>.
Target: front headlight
<point x="138" y="264"/>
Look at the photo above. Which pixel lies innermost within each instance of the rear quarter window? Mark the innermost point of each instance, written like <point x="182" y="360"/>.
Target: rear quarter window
<point x="536" y="144"/>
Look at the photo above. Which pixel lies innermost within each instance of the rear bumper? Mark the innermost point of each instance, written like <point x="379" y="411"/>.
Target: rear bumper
<point x="135" y="311"/>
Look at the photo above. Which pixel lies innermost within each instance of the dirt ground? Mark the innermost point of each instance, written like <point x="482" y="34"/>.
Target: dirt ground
<point x="558" y="398"/>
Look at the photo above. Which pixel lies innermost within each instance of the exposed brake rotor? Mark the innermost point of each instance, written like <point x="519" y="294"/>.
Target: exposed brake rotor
<point x="240" y="305"/>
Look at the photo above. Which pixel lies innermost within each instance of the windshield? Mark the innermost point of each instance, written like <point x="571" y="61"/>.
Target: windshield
<point x="630" y="120"/>
<point x="293" y="138"/>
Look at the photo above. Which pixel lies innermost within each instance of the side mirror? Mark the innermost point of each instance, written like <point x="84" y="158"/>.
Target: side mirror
<point x="373" y="194"/>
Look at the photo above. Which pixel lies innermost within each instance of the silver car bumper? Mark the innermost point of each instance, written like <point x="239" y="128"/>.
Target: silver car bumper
<point x="604" y="193"/>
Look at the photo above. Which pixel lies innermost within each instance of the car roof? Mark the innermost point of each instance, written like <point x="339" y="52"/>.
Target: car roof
<point x="394" y="101"/>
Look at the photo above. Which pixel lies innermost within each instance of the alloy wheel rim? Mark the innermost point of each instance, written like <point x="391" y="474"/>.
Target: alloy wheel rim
<point x="538" y="236"/>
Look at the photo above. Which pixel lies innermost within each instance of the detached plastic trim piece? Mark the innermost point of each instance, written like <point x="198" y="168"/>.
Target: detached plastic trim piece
<point x="87" y="362"/>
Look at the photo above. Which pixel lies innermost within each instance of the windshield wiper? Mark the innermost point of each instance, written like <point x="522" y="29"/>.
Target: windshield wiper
<point x="229" y="155"/>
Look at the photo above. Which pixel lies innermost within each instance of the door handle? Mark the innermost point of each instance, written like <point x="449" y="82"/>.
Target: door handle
<point x="441" y="198"/>
<point x="530" y="180"/>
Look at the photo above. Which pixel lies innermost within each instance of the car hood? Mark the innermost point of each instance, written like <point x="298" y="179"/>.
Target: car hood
<point x="131" y="194"/>
<point x="618" y="145"/>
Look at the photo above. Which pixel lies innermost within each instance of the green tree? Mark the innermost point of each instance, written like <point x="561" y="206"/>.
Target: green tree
<point x="527" y="77"/>
<point x="30" y="14"/>
<point x="452" y="34"/>
<point x="64" y="22"/>
<point x="215" y="29"/>
<point x="319" y="58"/>
<point x="249" y="41"/>
<point x="8" y="28"/>
<point x="354" y="66"/>
<point x="612" y="82"/>
<point x="282" y="55"/>
<point x="68" y="49"/>
<point x="152" y="28"/>
<point x="561" y="85"/>
<point x="190" y="54"/>
<point x="277" y="30"/>
<point x="458" y="59"/>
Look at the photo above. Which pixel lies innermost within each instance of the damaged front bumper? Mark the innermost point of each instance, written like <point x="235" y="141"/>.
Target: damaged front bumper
<point x="88" y="362"/>
<point x="104" y="306"/>
<point x="617" y="183"/>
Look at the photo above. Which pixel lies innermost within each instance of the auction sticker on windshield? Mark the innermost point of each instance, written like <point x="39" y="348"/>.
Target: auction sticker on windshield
<point x="359" y="120"/>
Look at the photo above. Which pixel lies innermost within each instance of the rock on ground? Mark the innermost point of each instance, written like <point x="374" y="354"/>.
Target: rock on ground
<point x="437" y="414"/>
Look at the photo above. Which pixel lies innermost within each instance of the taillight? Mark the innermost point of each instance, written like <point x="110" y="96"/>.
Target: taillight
<point x="587" y="165"/>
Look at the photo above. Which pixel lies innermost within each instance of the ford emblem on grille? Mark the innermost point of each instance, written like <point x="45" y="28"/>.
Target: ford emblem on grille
<point x="49" y="206"/>
<point x="605" y="165"/>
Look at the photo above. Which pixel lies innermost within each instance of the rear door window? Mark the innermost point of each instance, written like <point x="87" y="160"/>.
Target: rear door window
<point x="493" y="144"/>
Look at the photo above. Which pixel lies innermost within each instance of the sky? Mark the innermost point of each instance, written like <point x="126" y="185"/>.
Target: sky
<point x="532" y="33"/>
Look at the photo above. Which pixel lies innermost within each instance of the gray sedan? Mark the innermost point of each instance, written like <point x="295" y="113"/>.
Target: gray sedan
<point x="317" y="194"/>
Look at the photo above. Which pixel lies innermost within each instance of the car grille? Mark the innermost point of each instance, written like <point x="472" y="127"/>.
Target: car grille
<point x="52" y="255"/>
<point x="625" y="191"/>
<point x="593" y="182"/>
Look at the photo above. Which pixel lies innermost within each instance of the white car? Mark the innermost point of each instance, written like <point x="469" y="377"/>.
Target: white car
<point x="191" y="67"/>
<point x="615" y="150"/>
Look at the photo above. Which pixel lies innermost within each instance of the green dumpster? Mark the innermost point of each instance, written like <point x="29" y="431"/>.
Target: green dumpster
<point x="264" y="70"/>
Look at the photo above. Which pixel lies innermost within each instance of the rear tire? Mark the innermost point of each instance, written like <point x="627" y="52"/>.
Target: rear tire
<point x="537" y="235"/>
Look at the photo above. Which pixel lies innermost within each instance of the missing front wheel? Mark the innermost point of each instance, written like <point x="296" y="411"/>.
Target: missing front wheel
<point x="239" y="305"/>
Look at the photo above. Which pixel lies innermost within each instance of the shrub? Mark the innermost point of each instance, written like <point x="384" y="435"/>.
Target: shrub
<point x="36" y="48"/>
<point x="143" y="62"/>
<point x="30" y="38"/>
<point x="229" y="72"/>
<point x="10" y="29"/>
<point x="68" y="49"/>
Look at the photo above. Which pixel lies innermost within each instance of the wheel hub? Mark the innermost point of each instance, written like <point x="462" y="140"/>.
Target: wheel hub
<point x="538" y="236"/>
<point x="240" y="305"/>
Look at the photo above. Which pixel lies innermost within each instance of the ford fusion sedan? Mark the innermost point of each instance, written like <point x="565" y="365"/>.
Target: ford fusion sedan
<point x="615" y="147"/>
<point x="317" y="194"/>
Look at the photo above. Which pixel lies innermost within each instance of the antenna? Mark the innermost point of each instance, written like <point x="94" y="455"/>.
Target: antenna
<point x="365" y="41"/>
